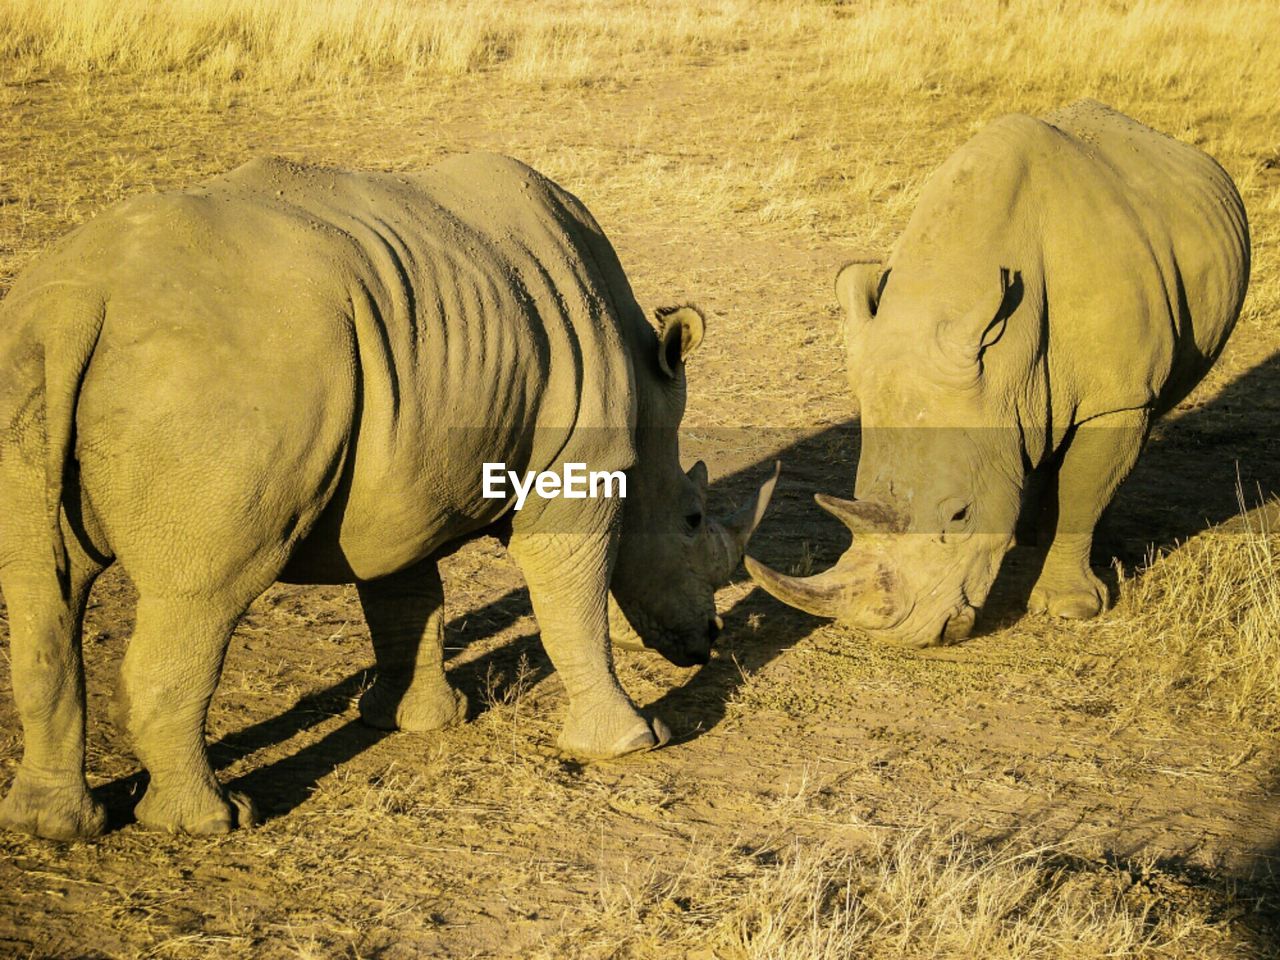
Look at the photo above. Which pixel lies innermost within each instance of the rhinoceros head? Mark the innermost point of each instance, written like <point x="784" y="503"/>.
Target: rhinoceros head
<point x="671" y="555"/>
<point x="940" y="473"/>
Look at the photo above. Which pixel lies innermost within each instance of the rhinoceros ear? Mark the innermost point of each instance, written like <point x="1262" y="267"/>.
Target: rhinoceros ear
<point x="968" y="338"/>
<point x="858" y="287"/>
<point x="680" y="330"/>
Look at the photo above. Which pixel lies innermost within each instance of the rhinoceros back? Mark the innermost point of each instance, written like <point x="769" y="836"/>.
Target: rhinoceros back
<point x="486" y="331"/>
<point x="1132" y="249"/>
<point x="415" y="325"/>
<point x="1194" y="224"/>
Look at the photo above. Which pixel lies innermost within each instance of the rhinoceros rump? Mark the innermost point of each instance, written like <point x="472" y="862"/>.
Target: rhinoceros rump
<point x="295" y="373"/>
<point x="1062" y="283"/>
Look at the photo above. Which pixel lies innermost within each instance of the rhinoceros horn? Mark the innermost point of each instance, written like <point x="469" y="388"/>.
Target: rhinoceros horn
<point x="845" y="592"/>
<point x="836" y="592"/>
<point x="823" y="594"/>
<point x="862" y="516"/>
<point x="728" y="539"/>
<point x="621" y="632"/>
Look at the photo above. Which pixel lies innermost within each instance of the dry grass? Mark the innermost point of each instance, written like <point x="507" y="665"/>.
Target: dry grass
<point x="915" y="893"/>
<point x="295" y="42"/>
<point x="803" y="86"/>
<point x="1201" y="624"/>
<point x="1149" y="47"/>
<point x="831" y="108"/>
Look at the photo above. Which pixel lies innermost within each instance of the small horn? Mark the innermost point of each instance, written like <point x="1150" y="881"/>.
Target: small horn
<point x="729" y="539"/>
<point x="743" y="523"/>
<point x="862" y="516"/>
<point x="698" y="474"/>
<point x="820" y="594"/>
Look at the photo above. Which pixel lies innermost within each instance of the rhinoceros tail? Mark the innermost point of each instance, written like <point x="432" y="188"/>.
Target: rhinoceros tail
<point x="71" y="333"/>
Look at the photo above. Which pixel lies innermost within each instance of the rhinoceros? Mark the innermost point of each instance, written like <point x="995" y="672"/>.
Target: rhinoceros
<point x="294" y="373"/>
<point x="1061" y="283"/>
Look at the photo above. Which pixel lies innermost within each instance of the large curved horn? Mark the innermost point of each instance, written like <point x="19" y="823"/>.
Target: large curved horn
<point x="822" y="594"/>
<point x="858" y="590"/>
<point x="862" y="516"/>
<point x="728" y="540"/>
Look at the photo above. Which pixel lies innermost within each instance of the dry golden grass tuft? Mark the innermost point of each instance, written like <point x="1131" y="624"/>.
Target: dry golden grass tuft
<point x="899" y="894"/>
<point x="1201" y="623"/>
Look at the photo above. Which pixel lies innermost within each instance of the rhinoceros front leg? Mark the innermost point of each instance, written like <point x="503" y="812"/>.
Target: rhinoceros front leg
<point x="1098" y="458"/>
<point x="405" y="613"/>
<point x="568" y="578"/>
<point x="49" y="797"/>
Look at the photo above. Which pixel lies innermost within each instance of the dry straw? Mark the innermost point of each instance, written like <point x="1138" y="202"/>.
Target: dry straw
<point x="891" y="47"/>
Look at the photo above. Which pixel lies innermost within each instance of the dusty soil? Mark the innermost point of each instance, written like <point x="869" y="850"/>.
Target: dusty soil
<point x="483" y="840"/>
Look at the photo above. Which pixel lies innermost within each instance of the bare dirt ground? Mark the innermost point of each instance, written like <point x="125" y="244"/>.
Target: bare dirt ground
<point x="799" y="735"/>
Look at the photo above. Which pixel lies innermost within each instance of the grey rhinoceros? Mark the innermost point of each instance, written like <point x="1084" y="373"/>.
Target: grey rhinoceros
<point x="1061" y="284"/>
<point x="291" y="373"/>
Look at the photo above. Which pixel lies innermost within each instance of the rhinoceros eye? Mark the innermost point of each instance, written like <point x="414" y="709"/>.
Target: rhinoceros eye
<point x="957" y="513"/>
<point x="693" y="520"/>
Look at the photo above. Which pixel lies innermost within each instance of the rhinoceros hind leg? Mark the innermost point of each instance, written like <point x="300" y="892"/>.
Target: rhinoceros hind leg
<point x="49" y="797"/>
<point x="405" y="613"/>
<point x="1098" y="458"/>
<point x="169" y="674"/>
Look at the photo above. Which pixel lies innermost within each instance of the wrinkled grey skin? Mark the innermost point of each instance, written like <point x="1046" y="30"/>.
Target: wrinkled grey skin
<point x="1062" y="283"/>
<point x="296" y="374"/>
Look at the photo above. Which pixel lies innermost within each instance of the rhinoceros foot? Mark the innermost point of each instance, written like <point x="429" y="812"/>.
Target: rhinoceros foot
<point x="415" y="711"/>
<point x="55" y="810"/>
<point x="592" y="739"/>
<point x="1079" y="599"/>
<point x="198" y="813"/>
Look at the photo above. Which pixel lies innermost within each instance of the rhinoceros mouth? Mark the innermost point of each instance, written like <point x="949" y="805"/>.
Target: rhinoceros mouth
<point x="940" y="630"/>
<point x="688" y="658"/>
<point x="958" y="625"/>
<point x="680" y="653"/>
<point x="682" y="648"/>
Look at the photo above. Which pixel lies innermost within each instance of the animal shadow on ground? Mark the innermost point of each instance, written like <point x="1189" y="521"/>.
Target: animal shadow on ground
<point x="1261" y="879"/>
<point x="1184" y="483"/>
<point x="281" y="785"/>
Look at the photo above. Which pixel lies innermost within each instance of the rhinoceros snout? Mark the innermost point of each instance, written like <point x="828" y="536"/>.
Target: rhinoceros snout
<point x="696" y="654"/>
